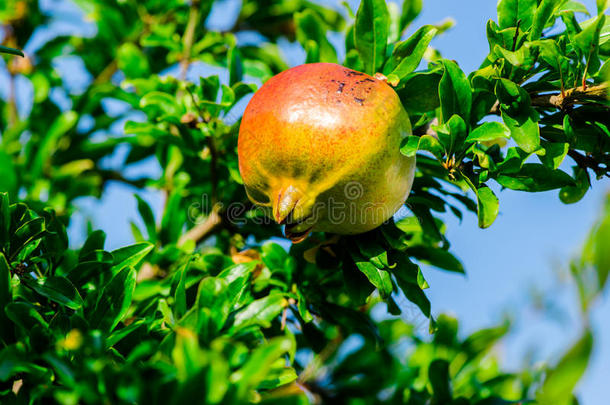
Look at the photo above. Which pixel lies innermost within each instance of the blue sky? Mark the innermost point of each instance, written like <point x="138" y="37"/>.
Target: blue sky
<point x="525" y="252"/>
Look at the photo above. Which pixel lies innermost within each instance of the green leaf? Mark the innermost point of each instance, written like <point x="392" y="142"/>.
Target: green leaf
<point x="10" y="51"/>
<point x="437" y="257"/>
<point x="452" y="134"/>
<point x="130" y="256"/>
<point x="6" y="295"/>
<point x="57" y="289"/>
<point x="148" y="217"/>
<point x="561" y="380"/>
<point x="311" y="28"/>
<point x="602" y="6"/>
<point x="132" y="61"/>
<point x="588" y="42"/>
<point x="235" y="65"/>
<point x="535" y="177"/>
<point x="511" y="11"/>
<point x="8" y="180"/>
<point x="487" y="206"/>
<point x="24" y="315"/>
<point x="541" y="17"/>
<point x="114" y="300"/>
<point x="95" y="241"/>
<point x="379" y="278"/>
<point x="601" y="247"/>
<point x="482" y="341"/>
<point x="162" y="104"/>
<point x="178" y="291"/>
<point x="524" y="130"/>
<point x="411" y="144"/>
<point x="411" y="282"/>
<point x="554" y="153"/>
<point x="410" y="10"/>
<point x="489" y="131"/>
<point x="574" y="193"/>
<point x="5" y="220"/>
<point x="371" y="33"/>
<point x="312" y="50"/>
<point x="259" y="364"/>
<point x="28" y="233"/>
<point x="408" y="54"/>
<point x="64" y="123"/>
<point x="438" y="374"/>
<point x="454" y="91"/>
<point x="260" y="312"/>
<point x="420" y="92"/>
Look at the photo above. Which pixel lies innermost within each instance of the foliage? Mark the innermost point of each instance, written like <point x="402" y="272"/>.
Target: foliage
<point x="204" y="306"/>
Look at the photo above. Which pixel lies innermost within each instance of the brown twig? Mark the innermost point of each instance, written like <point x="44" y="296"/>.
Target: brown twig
<point x="201" y="231"/>
<point x="587" y="162"/>
<point x="573" y="96"/>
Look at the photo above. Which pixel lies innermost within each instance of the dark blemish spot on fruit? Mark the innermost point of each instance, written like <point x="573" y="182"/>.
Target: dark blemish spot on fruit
<point x="352" y="73"/>
<point x="359" y="100"/>
<point x="365" y="80"/>
<point x="340" y="89"/>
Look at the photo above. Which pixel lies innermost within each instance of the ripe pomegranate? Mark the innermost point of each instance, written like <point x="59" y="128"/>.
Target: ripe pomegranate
<point x="319" y="149"/>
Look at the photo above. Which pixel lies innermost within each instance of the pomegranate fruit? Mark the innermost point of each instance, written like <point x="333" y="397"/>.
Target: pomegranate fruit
<point x="319" y="149"/>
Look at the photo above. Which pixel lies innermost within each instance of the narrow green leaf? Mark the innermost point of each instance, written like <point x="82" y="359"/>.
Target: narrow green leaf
<point x="408" y="54"/>
<point x="24" y="315"/>
<point x="371" y="33"/>
<point x="260" y="312"/>
<point x="57" y="289"/>
<point x="541" y="17"/>
<point x="148" y="217"/>
<point x="561" y="380"/>
<point x="235" y="65"/>
<point x="8" y="180"/>
<point x="64" y="123"/>
<point x="130" y="256"/>
<point x="5" y="220"/>
<point x="11" y="51"/>
<point x="438" y="374"/>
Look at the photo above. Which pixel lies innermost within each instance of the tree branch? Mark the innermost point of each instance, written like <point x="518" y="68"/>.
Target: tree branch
<point x="587" y="162"/>
<point x="200" y="231"/>
<point x="573" y="96"/>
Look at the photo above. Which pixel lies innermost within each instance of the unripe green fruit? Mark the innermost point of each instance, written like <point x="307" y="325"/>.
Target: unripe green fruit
<point x="319" y="148"/>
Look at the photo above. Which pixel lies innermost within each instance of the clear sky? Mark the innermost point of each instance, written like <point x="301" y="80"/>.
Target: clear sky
<point x="524" y="252"/>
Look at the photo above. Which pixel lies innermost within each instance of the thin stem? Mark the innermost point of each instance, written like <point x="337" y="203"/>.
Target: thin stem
<point x="189" y="37"/>
<point x="201" y="231"/>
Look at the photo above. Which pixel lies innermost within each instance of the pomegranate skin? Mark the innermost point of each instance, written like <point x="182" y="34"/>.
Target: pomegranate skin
<point x="319" y="147"/>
